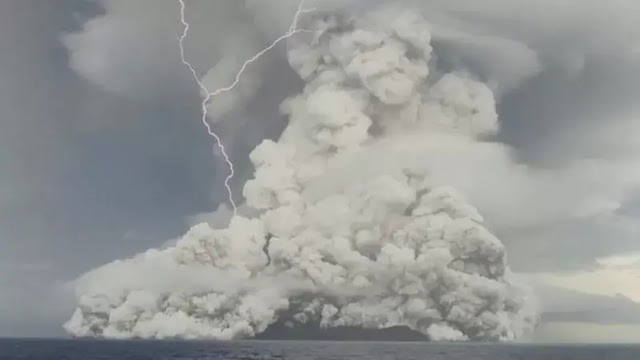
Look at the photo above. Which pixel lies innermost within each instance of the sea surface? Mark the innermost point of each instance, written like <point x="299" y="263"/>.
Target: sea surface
<point x="307" y="350"/>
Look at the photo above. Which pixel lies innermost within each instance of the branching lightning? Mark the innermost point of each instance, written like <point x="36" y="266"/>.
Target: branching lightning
<point x="207" y="95"/>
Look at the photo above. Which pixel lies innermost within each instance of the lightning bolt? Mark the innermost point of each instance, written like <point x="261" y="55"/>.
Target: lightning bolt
<point x="208" y="95"/>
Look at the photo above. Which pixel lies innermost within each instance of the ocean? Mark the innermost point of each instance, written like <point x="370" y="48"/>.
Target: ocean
<point x="13" y="349"/>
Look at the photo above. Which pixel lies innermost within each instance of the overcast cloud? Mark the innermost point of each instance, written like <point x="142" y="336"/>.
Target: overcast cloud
<point x="103" y="155"/>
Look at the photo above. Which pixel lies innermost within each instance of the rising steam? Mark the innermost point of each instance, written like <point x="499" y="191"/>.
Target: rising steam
<point x="392" y="246"/>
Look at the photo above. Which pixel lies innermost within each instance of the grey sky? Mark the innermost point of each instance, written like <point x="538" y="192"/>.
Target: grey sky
<point x="91" y="175"/>
<point x="87" y="176"/>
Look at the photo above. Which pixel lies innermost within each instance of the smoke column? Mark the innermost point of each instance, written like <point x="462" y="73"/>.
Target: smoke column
<point x="350" y="228"/>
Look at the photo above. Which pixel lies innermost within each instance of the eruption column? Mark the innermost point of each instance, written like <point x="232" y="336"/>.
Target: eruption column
<point x="351" y="228"/>
<point x="293" y="29"/>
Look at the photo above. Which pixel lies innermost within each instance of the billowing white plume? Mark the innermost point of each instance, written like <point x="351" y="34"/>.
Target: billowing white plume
<point x="395" y="248"/>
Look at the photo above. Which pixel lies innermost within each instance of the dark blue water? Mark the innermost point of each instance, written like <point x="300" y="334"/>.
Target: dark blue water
<point x="307" y="350"/>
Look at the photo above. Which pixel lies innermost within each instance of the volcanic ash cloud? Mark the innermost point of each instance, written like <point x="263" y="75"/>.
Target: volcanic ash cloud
<point x="391" y="249"/>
